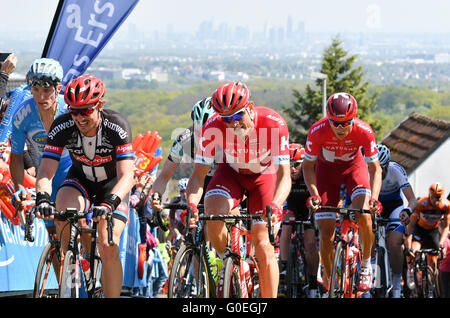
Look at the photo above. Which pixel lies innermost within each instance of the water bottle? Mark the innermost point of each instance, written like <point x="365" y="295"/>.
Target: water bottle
<point x="87" y="273"/>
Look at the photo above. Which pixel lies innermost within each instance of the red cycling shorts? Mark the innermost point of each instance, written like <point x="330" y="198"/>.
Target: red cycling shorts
<point x="229" y="183"/>
<point x="354" y="175"/>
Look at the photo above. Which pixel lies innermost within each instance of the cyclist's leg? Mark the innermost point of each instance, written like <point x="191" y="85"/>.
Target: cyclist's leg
<point x="261" y="190"/>
<point x="327" y="227"/>
<point x="285" y="237"/>
<point x="312" y="256"/>
<point x="394" y="242"/>
<point x="329" y="183"/>
<point x="112" y="274"/>
<point x="223" y="194"/>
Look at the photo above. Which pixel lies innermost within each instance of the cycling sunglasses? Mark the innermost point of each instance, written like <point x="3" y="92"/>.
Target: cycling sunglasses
<point x="236" y="116"/>
<point x="436" y="196"/>
<point x="343" y="124"/>
<point x="82" y="111"/>
<point x="295" y="164"/>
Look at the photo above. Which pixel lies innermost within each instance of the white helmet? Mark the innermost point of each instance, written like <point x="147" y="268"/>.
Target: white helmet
<point x="384" y="155"/>
<point x="182" y="184"/>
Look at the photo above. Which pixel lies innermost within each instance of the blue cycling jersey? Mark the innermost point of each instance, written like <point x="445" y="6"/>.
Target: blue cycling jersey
<point x="27" y="126"/>
<point x="15" y="96"/>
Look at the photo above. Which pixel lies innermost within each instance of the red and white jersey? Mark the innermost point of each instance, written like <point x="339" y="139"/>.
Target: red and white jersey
<point x="323" y="145"/>
<point x="268" y="143"/>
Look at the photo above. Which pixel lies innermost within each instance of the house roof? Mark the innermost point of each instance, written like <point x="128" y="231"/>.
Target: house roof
<point x="415" y="139"/>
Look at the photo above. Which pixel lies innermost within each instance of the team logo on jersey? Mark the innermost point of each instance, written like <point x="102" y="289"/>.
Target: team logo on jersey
<point x="40" y="137"/>
<point x="96" y="162"/>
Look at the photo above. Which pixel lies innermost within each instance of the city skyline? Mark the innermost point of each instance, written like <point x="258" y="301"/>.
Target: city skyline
<point x="413" y="16"/>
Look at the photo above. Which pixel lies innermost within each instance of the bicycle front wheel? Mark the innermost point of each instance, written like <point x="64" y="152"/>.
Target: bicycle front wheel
<point x="338" y="274"/>
<point x="231" y="280"/>
<point x="295" y="273"/>
<point x="70" y="277"/>
<point x="183" y="279"/>
<point x="46" y="281"/>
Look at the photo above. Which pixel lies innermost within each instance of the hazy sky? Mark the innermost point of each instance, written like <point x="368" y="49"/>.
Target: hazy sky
<point x="318" y="15"/>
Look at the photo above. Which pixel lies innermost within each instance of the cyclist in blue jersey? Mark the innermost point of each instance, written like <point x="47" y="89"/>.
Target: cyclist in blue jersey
<point x="100" y="179"/>
<point x="31" y="124"/>
<point x="395" y="182"/>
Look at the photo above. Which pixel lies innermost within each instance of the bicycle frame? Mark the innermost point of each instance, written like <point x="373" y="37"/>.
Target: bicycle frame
<point x="347" y="233"/>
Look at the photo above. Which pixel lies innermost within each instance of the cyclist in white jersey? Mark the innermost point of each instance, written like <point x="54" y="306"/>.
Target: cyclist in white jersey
<point x="395" y="182"/>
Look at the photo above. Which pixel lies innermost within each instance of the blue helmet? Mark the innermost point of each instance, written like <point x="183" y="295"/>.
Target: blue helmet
<point x="45" y="72"/>
<point x="202" y="111"/>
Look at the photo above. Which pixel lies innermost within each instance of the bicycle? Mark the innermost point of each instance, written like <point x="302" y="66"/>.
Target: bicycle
<point x="192" y="274"/>
<point x="426" y="285"/>
<point x="296" y="268"/>
<point x="382" y="277"/>
<point x="71" y="261"/>
<point x="241" y="272"/>
<point x="347" y="257"/>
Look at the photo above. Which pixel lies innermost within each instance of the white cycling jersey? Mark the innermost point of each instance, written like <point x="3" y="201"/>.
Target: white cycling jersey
<point x="395" y="181"/>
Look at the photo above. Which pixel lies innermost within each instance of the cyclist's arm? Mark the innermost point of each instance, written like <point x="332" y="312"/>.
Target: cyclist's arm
<point x="375" y="172"/>
<point x="309" y="176"/>
<point x="445" y="230"/>
<point x="125" y="180"/>
<point x="409" y="195"/>
<point x="16" y="169"/>
<point x="284" y="184"/>
<point x="46" y="172"/>
<point x="194" y="188"/>
<point x="164" y="176"/>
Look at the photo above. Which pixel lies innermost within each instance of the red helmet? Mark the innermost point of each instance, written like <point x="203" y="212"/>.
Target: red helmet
<point x="84" y="90"/>
<point x="230" y="96"/>
<point x="341" y="107"/>
<point x="296" y="152"/>
<point x="437" y="189"/>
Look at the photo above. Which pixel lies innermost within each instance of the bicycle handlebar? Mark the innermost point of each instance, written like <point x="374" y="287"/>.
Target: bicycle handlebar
<point x="342" y="210"/>
<point x="222" y="217"/>
<point x="70" y="214"/>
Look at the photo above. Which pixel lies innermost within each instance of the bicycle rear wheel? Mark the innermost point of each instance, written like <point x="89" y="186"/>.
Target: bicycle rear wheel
<point x="46" y="282"/>
<point x="70" y="277"/>
<point x="231" y="280"/>
<point x="429" y="284"/>
<point x="183" y="276"/>
<point x="380" y="288"/>
<point x="338" y="274"/>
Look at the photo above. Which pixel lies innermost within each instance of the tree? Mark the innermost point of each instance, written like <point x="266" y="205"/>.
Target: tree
<point x="341" y="77"/>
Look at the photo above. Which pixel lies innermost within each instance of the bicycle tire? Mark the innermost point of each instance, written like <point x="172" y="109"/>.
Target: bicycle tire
<point x="338" y="275"/>
<point x="253" y="290"/>
<point x="182" y="282"/>
<point x="231" y="280"/>
<point x="296" y="278"/>
<point x="70" y="277"/>
<point x="429" y="284"/>
<point x="380" y="289"/>
<point x="47" y="277"/>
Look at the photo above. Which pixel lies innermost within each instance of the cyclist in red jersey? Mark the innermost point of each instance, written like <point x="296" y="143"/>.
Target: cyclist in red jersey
<point x="333" y="157"/>
<point x="254" y="141"/>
